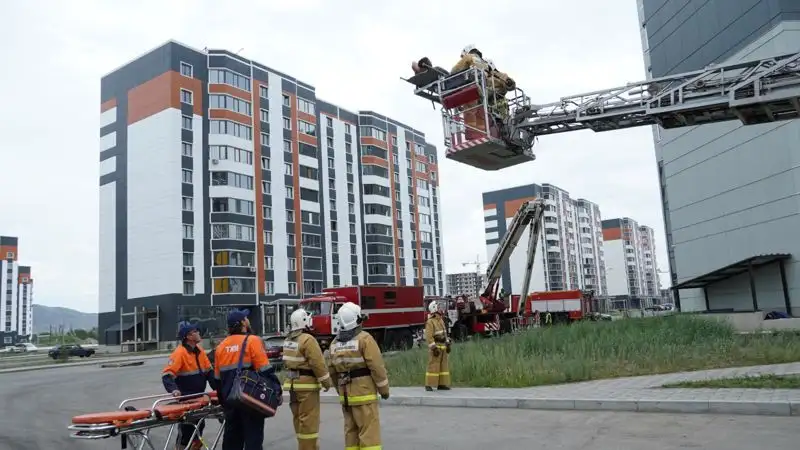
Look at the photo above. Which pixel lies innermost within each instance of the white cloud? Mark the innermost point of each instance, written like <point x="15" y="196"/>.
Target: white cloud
<point x="354" y="53"/>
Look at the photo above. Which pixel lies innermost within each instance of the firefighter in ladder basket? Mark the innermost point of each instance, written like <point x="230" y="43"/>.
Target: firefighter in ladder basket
<point x="360" y="376"/>
<point x="306" y="371"/>
<point x="438" y="373"/>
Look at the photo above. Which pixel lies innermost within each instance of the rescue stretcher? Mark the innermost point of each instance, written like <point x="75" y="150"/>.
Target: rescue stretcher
<point x="133" y="425"/>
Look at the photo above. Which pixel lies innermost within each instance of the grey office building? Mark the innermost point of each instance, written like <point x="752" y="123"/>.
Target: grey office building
<point x="729" y="191"/>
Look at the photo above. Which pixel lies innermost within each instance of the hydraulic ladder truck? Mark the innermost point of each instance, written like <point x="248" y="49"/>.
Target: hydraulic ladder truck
<point x="754" y="92"/>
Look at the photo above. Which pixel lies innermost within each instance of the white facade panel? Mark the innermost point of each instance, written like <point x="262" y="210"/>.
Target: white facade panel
<point x="108" y="141"/>
<point x="378" y="199"/>
<point x="309" y="161"/>
<point x="200" y="214"/>
<point x="154" y="213"/>
<point x="374" y="179"/>
<point x="108" y="165"/>
<point x="325" y="195"/>
<point x="342" y="222"/>
<point x="405" y="206"/>
<point x="492" y="235"/>
<point x="491" y="212"/>
<point x="227" y="165"/>
<point x="307" y="205"/>
<point x="377" y="218"/>
<point x="616" y="267"/>
<point x="308" y="183"/>
<point x="279" y="238"/>
<point x="490" y="224"/>
<point x="108" y="117"/>
<point x="107" y="289"/>
<point x="236" y="192"/>
<point x="438" y="243"/>
<point x="233" y="141"/>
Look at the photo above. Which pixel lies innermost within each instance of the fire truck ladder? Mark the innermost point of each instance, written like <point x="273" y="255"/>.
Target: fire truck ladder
<point x="529" y="214"/>
<point x="757" y="91"/>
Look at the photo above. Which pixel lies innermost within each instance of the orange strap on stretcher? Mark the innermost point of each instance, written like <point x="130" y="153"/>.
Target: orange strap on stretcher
<point x="163" y="412"/>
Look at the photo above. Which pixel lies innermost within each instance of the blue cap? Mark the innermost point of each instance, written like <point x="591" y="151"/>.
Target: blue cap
<point x="237" y="316"/>
<point x="184" y="328"/>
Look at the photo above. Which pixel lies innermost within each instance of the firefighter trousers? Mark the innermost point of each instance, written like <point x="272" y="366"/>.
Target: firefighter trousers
<point x="438" y="371"/>
<point x="362" y="427"/>
<point x="305" y="415"/>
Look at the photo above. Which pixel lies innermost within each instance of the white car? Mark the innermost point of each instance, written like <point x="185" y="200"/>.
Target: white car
<point x="24" y="348"/>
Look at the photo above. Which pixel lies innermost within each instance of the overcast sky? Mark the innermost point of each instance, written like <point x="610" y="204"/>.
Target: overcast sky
<point x="353" y="52"/>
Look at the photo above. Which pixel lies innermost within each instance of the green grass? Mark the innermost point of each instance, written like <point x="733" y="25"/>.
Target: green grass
<point x="595" y="350"/>
<point x="752" y="382"/>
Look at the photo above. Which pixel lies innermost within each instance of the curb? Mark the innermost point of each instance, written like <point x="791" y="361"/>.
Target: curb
<point x="121" y="364"/>
<point x="773" y="408"/>
<point x="82" y="363"/>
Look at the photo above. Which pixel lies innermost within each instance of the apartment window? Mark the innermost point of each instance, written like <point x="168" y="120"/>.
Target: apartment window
<point x="187" y="176"/>
<point x="266" y="187"/>
<point x="188" y="231"/>
<point x="349" y="167"/>
<point x="330" y="142"/>
<point x="292" y="263"/>
<point x="265" y="139"/>
<point x="289" y="192"/>
<point x="347" y="128"/>
<point x="421" y="167"/>
<point x="186" y="97"/>
<point x="269" y="287"/>
<point x="263" y="92"/>
<point x="188" y="288"/>
<point x="264" y="115"/>
<point x="329" y="122"/>
<point x="307" y="128"/>
<point x="231" y="128"/>
<point x="188" y="259"/>
<point x="287" y="123"/>
<point x="349" y="188"/>
<point x="351" y="208"/>
<point x="291" y="239"/>
<point x="394" y="140"/>
<point x="286" y="101"/>
<point x="333" y="205"/>
<point x="290" y="215"/>
<point x="287" y="146"/>
<point x="231" y="103"/>
<point x="268" y="237"/>
<point x="188" y="203"/>
<point x="292" y="288"/>
<point x="186" y="122"/>
<point x="267" y="212"/>
<point x="305" y="106"/>
<point x="287" y="168"/>
<point x="224" y="76"/>
<point x="265" y="163"/>
<point x="187" y="70"/>
<point x="229" y="152"/>
<point x="348" y="148"/>
<point x="186" y="149"/>
<point x="331" y="163"/>
<point x="268" y="262"/>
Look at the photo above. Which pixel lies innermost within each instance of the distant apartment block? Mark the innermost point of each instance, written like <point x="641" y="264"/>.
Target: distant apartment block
<point x="16" y="307"/>
<point x="465" y="283"/>
<point x="225" y="183"/>
<point x="630" y="258"/>
<point x="570" y="252"/>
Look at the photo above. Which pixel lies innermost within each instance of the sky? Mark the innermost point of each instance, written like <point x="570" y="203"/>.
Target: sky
<point x="354" y="53"/>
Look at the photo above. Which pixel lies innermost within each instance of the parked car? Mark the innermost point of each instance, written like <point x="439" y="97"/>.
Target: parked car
<point x="274" y="348"/>
<point x="24" y="348"/>
<point x="71" y="350"/>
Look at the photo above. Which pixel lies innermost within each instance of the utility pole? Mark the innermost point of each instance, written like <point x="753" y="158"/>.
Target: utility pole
<point x="478" y="278"/>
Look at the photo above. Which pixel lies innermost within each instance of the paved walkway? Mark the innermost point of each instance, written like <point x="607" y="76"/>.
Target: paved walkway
<point x="642" y="393"/>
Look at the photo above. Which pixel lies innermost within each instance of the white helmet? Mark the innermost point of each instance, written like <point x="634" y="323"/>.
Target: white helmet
<point x="467" y="49"/>
<point x="300" y="319"/>
<point x="349" y="316"/>
<point x="490" y="63"/>
<point x="433" y="308"/>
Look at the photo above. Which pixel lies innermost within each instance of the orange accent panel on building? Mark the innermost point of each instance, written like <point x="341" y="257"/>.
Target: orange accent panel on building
<point x="108" y="104"/>
<point x="511" y="206"/>
<point x="163" y="92"/>
<point x="234" y="91"/>
<point x="6" y="249"/>
<point x="392" y="190"/>
<point x="489" y="206"/>
<point x="304" y="138"/>
<point x="236" y="117"/>
<point x="375" y="142"/>
<point x="310" y="118"/>
<point x="261" y="276"/>
<point x="612" y="234"/>
<point x="370" y="159"/>
<point x="298" y="227"/>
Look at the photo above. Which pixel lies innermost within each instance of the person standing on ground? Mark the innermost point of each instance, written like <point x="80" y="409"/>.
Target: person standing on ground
<point x="244" y="429"/>
<point x="186" y="373"/>
<point x="359" y="374"/>
<point x="438" y="373"/>
<point x="306" y="371"/>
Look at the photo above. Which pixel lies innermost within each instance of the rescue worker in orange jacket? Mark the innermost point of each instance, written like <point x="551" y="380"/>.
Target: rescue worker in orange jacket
<point x="244" y="430"/>
<point x="186" y="373"/>
<point x="438" y="373"/>
<point x="357" y="369"/>
<point x="306" y="373"/>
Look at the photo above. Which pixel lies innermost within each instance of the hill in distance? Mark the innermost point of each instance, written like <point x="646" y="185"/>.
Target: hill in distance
<point x="55" y="316"/>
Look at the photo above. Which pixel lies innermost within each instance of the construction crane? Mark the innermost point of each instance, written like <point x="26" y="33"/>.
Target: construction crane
<point x="491" y="137"/>
<point x="529" y="215"/>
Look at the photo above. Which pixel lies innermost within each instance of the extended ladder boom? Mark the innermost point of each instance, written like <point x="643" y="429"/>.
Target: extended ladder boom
<point x="757" y="91"/>
<point x="529" y="213"/>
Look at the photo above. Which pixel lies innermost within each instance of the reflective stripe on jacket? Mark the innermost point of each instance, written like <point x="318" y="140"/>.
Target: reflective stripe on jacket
<point x="301" y="352"/>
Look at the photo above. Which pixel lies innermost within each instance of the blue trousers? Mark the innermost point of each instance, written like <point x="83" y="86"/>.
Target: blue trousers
<point x="244" y="430"/>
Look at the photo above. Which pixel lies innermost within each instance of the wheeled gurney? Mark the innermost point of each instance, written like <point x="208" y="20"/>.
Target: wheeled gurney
<point x="132" y="425"/>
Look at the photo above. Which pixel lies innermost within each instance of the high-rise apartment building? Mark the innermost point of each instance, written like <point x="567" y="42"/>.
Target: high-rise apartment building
<point x="465" y="283"/>
<point x="631" y="267"/>
<point x="570" y="252"/>
<point x="16" y="307"/>
<point x="225" y="183"/>
<point x="729" y="192"/>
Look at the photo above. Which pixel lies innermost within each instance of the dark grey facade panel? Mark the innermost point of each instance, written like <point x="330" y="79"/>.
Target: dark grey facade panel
<point x="348" y="116"/>
<point x="327" y="108"/>
<point x="307" y="94"/>
<point x="611" y="223"/>
<point x="288" y="86"/>
<point x="9" y="240"/>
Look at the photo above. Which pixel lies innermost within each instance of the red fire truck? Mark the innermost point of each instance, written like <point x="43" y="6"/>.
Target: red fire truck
<point x="563" y="306"/>
<point x="395" y="315"/>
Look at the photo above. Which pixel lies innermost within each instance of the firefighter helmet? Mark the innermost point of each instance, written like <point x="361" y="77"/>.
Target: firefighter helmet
<point x="300" y="319"/>
<point x="471" y="49"/>
<point x="350" y="316"/>
<point x="433" y="308"/>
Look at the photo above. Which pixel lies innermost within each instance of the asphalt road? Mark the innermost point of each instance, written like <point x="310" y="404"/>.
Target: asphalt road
<point x="38" y="405"/>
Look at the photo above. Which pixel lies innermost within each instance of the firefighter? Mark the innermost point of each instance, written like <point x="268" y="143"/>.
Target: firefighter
<point x="359" y="375"/>
<point x="306" y="370"/>
<point x="474" y="115"/>
<point x="186" y="373"/>
<point x="244" y="430"/>
<point x="437" y="373"/>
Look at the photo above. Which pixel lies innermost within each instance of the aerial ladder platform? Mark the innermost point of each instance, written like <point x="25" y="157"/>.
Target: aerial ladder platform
<point x="529" y="216"/>
<point x="489" y="136"/>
